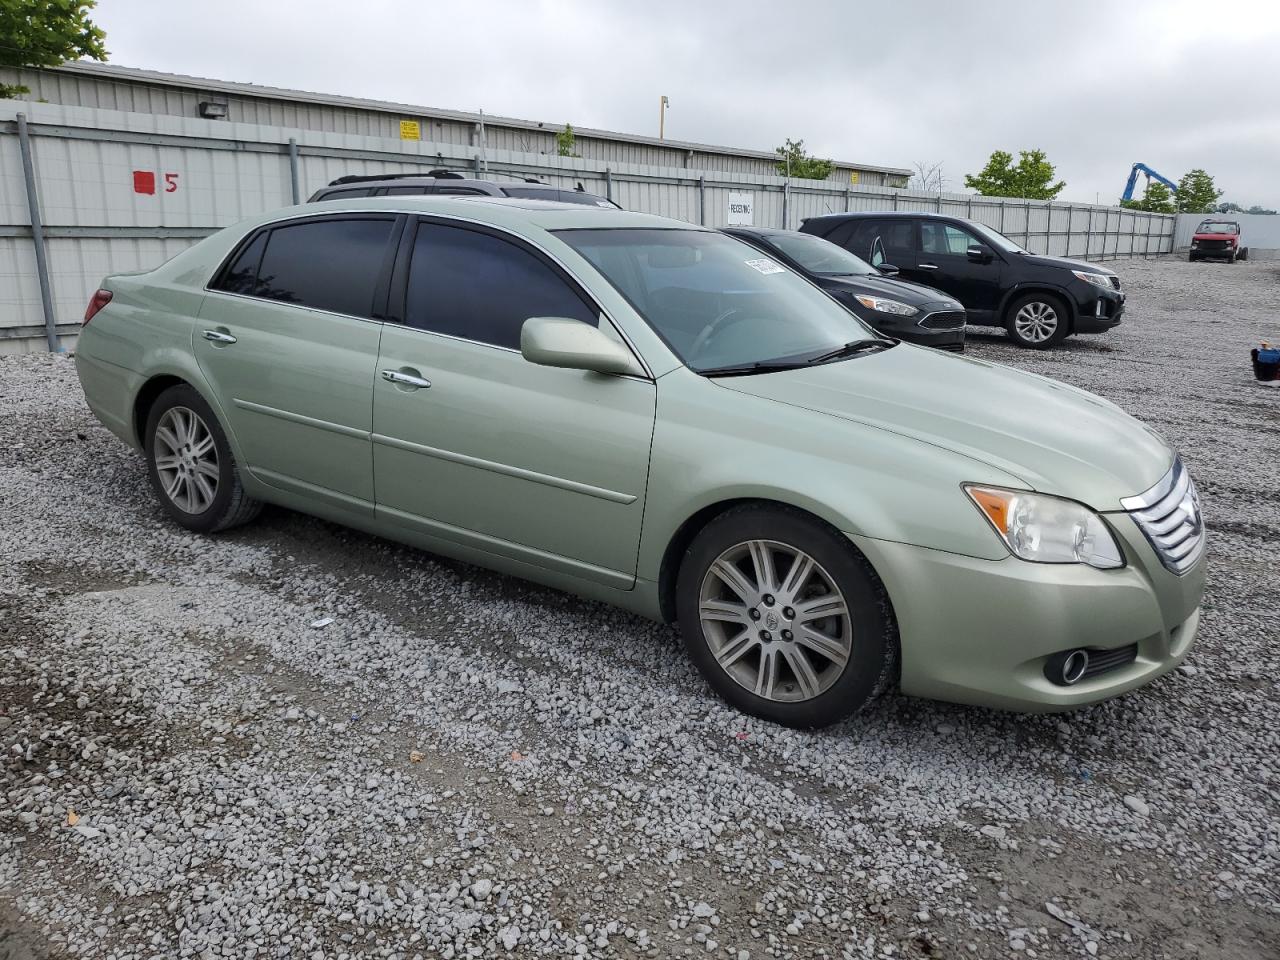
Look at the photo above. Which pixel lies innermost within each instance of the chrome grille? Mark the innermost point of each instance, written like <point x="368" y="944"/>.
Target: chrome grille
<point x="1169" y="515"/>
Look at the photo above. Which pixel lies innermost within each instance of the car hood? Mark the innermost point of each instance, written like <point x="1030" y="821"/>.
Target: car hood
<point x="1214" y="236"/>
<point x="914" y="294"/>
<point x="1065" y="264"/>
<point x="1057" y="438"/>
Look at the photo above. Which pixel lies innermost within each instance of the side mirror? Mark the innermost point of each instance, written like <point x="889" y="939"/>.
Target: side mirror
<point x="574" y="345"/>
<point x="888" y="269"/>
<point x="979" y="253"/>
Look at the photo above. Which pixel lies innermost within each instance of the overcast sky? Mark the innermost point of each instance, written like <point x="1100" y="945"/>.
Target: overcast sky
<point x="1097" y="85"/>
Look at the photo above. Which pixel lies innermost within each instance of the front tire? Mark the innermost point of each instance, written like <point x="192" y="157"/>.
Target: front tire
<point x="1244" y="254"/>
<point x="190" y="465"/>
<point x="1037" y="321"/>
<point x="784" y="618"/>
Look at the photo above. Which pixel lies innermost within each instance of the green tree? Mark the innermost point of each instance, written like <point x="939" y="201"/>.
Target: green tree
<point x="565" y="140"/>
<point x="46" y="33"/>
<point x="1031" y="178"/>
<point x="1155" y="199"/>
<point x="794" y="162"/>
<point x="1197" y="193"/>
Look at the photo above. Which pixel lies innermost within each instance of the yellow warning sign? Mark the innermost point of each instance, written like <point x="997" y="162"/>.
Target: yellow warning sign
<point x="409" y="130"/>
<point x="853" y="174"/>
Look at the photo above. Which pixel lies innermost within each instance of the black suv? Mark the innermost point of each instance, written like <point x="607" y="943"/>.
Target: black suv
<point x="451" y="183"/>
<point x="1038" y="300"/>
<point x="904" y="310"/>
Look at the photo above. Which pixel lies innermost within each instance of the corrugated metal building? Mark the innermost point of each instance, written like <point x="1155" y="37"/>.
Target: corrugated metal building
<point x="111" y="87"/>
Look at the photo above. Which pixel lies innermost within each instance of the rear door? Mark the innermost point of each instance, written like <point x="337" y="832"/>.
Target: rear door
<point x="890" y="240"/>
<point x="543" y="465"/>
<point x="288" y="340"/>
<point x="944" y="263"/>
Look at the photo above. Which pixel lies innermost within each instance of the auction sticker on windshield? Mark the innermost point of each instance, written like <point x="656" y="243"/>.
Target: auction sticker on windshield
<point x="764" y="265"/>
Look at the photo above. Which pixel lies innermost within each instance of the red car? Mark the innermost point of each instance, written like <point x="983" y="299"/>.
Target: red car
<point x="1218" y="238"/>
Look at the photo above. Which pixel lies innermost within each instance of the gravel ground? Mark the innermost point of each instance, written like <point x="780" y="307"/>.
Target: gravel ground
<point x="462" y="765"/>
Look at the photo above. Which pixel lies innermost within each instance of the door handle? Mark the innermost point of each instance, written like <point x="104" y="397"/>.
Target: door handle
<point x="405" y="379"/>
<point x="218" y="336"/>
<point x="927" y="266"/>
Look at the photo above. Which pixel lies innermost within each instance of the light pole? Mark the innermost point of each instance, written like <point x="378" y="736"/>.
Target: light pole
<point x="663" y="104"/>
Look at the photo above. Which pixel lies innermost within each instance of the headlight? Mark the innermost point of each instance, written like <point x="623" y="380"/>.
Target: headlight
<point x="1047" y="529"/>
<point x="886" y="306"/>
<point x="1097" y="279"/>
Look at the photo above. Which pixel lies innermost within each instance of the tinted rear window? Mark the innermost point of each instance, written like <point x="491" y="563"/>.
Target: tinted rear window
<point x="327" y="264"/>
<point x="347" y="194"/>
<point x="242" y="275"/>
<point x="533" y="193"/>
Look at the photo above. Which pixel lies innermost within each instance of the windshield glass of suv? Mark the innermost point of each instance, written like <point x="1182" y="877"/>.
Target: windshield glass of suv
<point x="994" y="237"/>
<point x="1216" y="226"/>
<point x="716" y="301"/>
<point x="818" y="256"/>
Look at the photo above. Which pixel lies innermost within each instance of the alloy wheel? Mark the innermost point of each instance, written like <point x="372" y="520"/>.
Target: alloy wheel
<point x="1036" y="322"/>
<point x="186" y="459"/>
<point x="775" y="621"/>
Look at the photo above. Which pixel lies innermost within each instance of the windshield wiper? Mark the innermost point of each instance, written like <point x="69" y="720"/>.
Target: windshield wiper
<point x="758" y="366"/>
<point x="852" y="347"/>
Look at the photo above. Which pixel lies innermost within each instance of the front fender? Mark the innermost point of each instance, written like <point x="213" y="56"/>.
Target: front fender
<point x="715" y="446"/>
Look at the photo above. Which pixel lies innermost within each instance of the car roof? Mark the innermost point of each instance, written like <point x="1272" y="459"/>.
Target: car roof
<point x="883" y="214"/>
<point x="512" y="212"/>
<point x="445" y="181"/>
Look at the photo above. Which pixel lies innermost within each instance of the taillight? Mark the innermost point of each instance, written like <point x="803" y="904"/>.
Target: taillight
<point x="99" y="300"/>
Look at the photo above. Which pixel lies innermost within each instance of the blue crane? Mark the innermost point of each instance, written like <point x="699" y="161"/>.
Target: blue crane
<point x="1151" y="174"/>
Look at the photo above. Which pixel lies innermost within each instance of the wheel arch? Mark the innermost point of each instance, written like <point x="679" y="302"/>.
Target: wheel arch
<point x="1041" y="287"/>
<point x="160" y="380"/>
<point x="678" y="543"/>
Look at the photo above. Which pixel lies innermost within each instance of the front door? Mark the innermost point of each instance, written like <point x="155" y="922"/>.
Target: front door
<point x="474" y="444"/>
<point x="944" y="263"/>
<point x="287" y="340"/>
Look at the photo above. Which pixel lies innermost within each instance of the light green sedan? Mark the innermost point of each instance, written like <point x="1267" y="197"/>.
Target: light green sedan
<point x="661" y="417"/>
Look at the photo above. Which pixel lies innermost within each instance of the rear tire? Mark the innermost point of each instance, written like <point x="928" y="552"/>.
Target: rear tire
<point x="1244" y="254"/>
<point x="190" y="466"/>
<point x="784" y="618"/>
<point x="1037" y="321"/>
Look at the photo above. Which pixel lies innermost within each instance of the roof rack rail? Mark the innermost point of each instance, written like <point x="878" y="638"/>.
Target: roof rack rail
<point x="437" y="174"/>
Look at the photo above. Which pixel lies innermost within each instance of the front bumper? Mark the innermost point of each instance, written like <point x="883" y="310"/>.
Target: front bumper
<point x="981" y="631"/>
<point x="1212" y="250"/>
<point x="1098" y="310"/>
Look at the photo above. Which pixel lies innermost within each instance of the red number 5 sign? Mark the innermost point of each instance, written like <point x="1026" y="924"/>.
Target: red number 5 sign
<point x="144" y="181"/>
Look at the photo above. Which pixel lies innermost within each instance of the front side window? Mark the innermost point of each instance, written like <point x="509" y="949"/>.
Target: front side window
<point x="944" y="239"/>
<point x="473" y="285"/>
<point x="717" y="301"/>
<point x="327" y="264"/>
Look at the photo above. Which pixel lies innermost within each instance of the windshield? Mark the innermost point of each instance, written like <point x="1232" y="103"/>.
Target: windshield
<point x="994" y="237"/>
<point x="818" y="256"/>
<point x="716" y="301"/>
<point x="1218" y="226"/>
